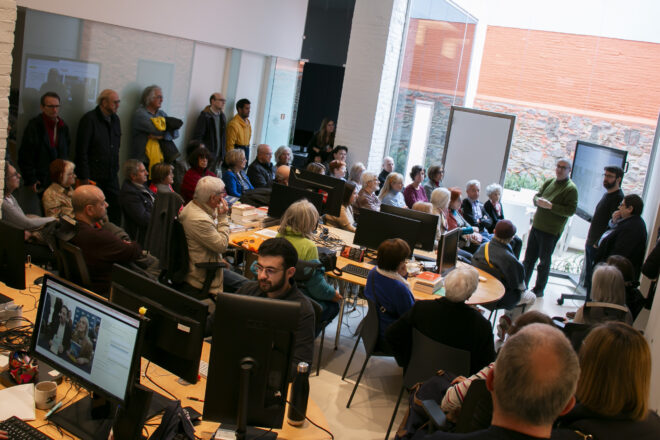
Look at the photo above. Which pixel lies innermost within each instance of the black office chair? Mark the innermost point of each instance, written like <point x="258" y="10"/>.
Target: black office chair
<point x="576" y="333"/>
<point x="368" y="329"/>
<point x="427" y="357"/>
<point x="73" y="265"/>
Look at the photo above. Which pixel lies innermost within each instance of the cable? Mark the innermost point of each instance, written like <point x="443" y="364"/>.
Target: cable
<point x="151" y="380"/>
<point x="310" y="421"/>
<point x="34" y="299"/>
<point x="18" y="337"/>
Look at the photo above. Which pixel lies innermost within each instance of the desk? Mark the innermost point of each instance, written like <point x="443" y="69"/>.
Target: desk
<point x="165" y="379"/>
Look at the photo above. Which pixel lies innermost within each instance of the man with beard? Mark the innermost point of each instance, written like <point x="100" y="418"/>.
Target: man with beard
<point x="602" y="214"/>
<point x="275" y="267"/>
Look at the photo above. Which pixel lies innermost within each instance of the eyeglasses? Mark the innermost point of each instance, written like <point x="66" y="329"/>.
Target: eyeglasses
<point x="270" y="271"/>
<point x="609" y="176"/>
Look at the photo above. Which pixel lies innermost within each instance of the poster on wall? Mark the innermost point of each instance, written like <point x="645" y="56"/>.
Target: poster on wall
<point x="72" y="80"/>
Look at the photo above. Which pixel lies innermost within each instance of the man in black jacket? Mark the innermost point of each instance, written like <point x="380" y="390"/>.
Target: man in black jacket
<point x="261" y="172"/>
<point x="97" y="150"/>
<point x="210" y="128"/>
<point x="137" y="200"/>
<point x="473" y="209"/>
<point x="46" y="138"/>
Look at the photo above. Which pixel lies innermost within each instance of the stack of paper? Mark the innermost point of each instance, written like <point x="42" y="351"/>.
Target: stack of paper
<point x="428" y="282"/>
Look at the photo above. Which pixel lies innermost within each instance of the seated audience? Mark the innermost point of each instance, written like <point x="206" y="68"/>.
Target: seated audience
<point x="316" y="167"/>
<point x="11" y="210"/>
<point x="634" y="298"/>
<point x="532" y="383"/>
<point x="283" y="156"/>
<point x="493" y="208"/>
<point x="496" y="257"/>
<point x="440" y="201"/>
<point x="345" y="220"/>
<point x="608" y="292"/>
<point x="388" y="167"/>
<point x="261" y="171"/>
<point x="57" y="197"/>
<point x="355" y="175"/>
<point x="100" y="247"/>
<point x="614" y="386"/>
<point x="470" y="239"/>
<point x="367" y="198"/>
<point x="473" y="209"/>
<point x="447" y="320"/>
<point x="297" y="225"/>
<point x="136" y="200"/>
<point x="337" y="169"/>
<point x="236" y="181"/>
<point x="415" y="191"/>
<point x="391" y="192"/>
<point x="434" y="175"/>
<point x="426" y="207"/>
<point x="162" y="178"/>
<point x="282" y="175"/>
<point x="387" y="287"/>
<point x="338" y="153"/>
<point x="199" y="158"/>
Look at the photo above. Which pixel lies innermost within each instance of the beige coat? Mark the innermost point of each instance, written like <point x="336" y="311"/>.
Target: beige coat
<point x="208" y="237"/>
<point x="57" y="201"/>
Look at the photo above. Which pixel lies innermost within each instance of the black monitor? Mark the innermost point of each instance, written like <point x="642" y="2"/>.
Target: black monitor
<point x="331" y="188"/>
<point x="95" y="343"/>
<point x="282" y="196"/>
<point x="249" y="332"/>
<point x="428" y="229"/>
<point x="374" y="227"/>
<point x="175" y="333"/>
<point x="12" y="256"/>
<point x="448" y="250"/>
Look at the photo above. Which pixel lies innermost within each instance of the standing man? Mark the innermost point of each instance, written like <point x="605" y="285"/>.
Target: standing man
<point x="97" y="150"/>
<point x="149" y="123"/>
<point x="261" y="171"/>
<point x="45" y="139"/>
<point x="239" y="130"/>
<point x="556" y="201"/>
<point x="604" y="210"/>
<point x="211" y="128"/>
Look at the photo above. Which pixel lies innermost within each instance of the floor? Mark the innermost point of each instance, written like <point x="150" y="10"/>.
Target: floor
<point x="372" y="406"/>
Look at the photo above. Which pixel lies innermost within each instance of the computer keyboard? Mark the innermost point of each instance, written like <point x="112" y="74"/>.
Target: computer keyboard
<point x="358" y="271"/>
<point x="17" y="429"/>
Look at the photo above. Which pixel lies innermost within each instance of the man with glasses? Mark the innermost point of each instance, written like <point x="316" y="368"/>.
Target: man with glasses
<point x="604" y="209"/>
<point x="97" y="149"/>
<point x="46" y="138"/>
<point x="211" y="128"/>
<point x="261" y="171"/>
<point x="555" y="202"/>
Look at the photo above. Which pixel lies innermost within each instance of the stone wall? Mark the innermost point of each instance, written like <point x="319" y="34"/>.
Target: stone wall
<point x="7" y="24"/>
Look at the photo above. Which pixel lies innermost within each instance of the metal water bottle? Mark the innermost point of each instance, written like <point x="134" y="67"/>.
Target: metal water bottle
<point x="299" y="395"/>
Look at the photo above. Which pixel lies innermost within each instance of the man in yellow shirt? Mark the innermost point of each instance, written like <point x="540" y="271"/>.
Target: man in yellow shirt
<point x="239" y="129"/>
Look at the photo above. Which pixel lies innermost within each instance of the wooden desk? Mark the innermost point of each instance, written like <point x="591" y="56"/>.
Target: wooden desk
<point x="170" y="382"/>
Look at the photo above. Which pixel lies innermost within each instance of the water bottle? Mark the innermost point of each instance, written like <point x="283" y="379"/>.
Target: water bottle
<point x="299" y="395"/>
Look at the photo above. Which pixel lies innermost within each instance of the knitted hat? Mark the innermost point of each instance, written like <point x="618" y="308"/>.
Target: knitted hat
<point x="505" y="229"/>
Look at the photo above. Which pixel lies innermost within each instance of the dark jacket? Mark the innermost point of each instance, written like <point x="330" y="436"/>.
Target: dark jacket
<point x="605" y="428"/>
<point x="136" y="205"/>
<point x="97" y="146"/>
<point x="494" y="433"/>
<point x="491" y="212"/>
<point x="506" y="268"/>
<point x="482" y="221"/>
<point x="205" y="132"/>
<point x="651" y="266"/>
<point x="626" y="238"/>
<point x="261" y="175"/>
<point x="165" y="210"/>
<point x="35" y="155"/>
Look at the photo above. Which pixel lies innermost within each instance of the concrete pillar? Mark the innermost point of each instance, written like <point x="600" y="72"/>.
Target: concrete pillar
<point x="7" y="25"/>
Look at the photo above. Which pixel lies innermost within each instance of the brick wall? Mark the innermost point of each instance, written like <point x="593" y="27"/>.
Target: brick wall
<point x="7" y="23"/>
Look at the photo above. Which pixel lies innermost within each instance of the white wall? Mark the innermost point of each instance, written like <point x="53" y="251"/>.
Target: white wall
<point x="250" y="79"/>
<point x="263" y="26"/>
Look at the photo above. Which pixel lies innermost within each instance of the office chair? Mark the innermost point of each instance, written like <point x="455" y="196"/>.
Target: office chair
<point x="73" y="264"/>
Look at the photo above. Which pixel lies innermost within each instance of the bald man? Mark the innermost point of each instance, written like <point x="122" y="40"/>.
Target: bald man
<point x="211" y="128"/>
<point x="100" y="247"/>
<point x="282" y="175"/>
<point x="261" y="172"/>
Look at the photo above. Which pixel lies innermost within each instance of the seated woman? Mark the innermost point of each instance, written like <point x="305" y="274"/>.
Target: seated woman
<point x="199" y="158"/>
<point x="447" y="320"/>
<point x="440" y="201"/>
<point x="283" y="156"/>
<point x="435" y="173"/>
<point x="415" y="191"/>
<point x="345" y="220"/>
<point x="470" y="239"/>
<point x="57" y="197"/>
<point x="634" y="298"/>
<point x="235" y="178"/>
<point x="83" y="354"/>
<point x="162" y="177"/>
<point x="367" y="198"/>
<point x="391" y="193"/>
<point x="387" y="287"/>
<point x="608" y="292"/>
<point x="316" y="167"/>
<point x="614" y="386"/>
<point x="423" y="207"/>
<point x="355" y="175"/>
<point x="338" y="169"/>
<point x="297" y="225"/>
<point x="493" y="209"/>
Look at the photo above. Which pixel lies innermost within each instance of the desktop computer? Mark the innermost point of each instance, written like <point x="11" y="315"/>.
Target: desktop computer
<point x="331" y="188"/>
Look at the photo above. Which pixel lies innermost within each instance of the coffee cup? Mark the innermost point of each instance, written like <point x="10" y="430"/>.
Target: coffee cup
<point x="45" y="394"/>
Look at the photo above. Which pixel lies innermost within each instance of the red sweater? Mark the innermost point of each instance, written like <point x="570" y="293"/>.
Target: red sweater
<point x="190" y="180"/>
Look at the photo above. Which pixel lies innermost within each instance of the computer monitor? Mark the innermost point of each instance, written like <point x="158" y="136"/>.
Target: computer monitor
<point x="95" y="343"/>
<point x="331" y="188"/>
<point x="251" y="332"/>
<point x="282" y="196"/>
<point x="428" y="229"/>
<point x="12" y="256"/>
<point x="374" y="227"/>
<point x="174" y="335"/>
<point x="448" y="250"/>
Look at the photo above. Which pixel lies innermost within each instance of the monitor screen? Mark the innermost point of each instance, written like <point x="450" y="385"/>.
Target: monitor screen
<point x="374" y="227"/>
<point x="331" y="188"/>
<point x="87" y="338"/>
<point x="261" y="329"/>
<point x="175" y="332"/>
<point x="428" y="229"/>
<point x="283" y="196"/>
<point x="448" y="250"/>
<point x="12" y="256"/>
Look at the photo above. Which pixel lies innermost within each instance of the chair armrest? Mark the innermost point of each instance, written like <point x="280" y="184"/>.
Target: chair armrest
<point x="436" y="416"/>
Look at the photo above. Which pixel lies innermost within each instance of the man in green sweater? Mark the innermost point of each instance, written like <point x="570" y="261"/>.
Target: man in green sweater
<point x="555" y="202"/>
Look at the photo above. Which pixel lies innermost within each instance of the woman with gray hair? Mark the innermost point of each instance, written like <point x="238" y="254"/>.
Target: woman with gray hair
<point x="440" y="201"/>
<point x="493" y="207"/>
<point x="283" y="156"/>
<point x="608" y="294"/>
<point x="447" y="320"/>
<point x="147" y="124"/>
<point x="355" y="175"/>
<point x="367" y="198"/>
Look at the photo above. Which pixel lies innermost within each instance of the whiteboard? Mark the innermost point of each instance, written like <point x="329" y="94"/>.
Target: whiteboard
<point x="477" y="146"/>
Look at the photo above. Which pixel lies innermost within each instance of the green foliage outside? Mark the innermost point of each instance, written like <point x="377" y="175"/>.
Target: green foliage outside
<point x="518" y="181"/>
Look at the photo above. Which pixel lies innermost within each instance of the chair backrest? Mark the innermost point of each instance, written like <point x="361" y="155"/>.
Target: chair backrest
<point x="165" y="210"/>
<point x="477" y="408"/>
<point x="576" y="333"/>
<point x="602" y="312"/>
<point x="369" y="330"/>
<point x="178" y="264"/>
<point x="74" y="265"/>
<point x="318" y="311"/>
<point x="429" y="356"/>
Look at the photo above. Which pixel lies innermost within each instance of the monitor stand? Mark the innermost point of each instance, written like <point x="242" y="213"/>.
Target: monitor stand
<point x="243" y="432"/>
<point x="89" y="418"/>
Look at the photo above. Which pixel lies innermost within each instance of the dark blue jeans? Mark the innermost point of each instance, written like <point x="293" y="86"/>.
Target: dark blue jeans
<point x="540" y="246"/>
<point x="589" y="256"/>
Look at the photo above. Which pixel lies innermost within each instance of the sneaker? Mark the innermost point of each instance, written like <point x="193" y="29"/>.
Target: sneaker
<point x="537" y="293"/>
